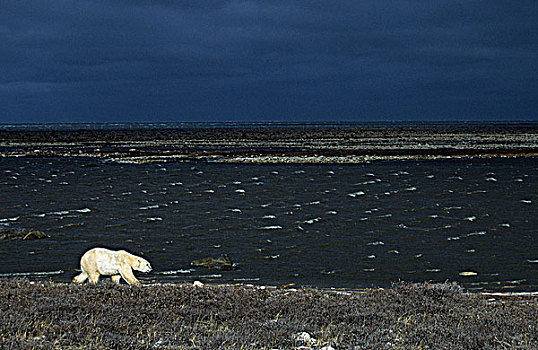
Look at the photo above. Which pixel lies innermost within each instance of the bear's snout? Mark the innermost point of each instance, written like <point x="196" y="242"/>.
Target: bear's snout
<point x="146" y="268"/>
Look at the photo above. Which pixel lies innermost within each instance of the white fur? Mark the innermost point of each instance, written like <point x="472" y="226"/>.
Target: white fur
<point x="106" y="262"/>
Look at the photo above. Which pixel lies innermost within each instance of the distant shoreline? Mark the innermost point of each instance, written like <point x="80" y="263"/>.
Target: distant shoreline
<point x="277" y="143"/>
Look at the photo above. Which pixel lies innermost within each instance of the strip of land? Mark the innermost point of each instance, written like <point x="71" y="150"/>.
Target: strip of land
<point x="184" y="316"/>
<point x="278" y="144"/>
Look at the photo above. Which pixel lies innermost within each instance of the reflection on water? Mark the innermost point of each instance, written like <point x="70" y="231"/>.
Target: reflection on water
<point x="472" y="221"/>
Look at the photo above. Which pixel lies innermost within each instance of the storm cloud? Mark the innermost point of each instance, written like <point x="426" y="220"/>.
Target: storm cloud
<point x="79" y="61"/>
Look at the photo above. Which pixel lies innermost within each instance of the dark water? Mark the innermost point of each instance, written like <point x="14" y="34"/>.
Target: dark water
<point x="313" y="225"/>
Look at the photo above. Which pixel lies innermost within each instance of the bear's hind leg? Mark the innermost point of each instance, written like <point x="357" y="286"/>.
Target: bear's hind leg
<point x="80" y="278"/>
<point x="94" y="277"/>
<point x="116" y="278"/>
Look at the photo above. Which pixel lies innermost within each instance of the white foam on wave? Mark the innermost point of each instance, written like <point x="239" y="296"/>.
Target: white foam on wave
<point x="274" y="227"/>
<point x="235" y="210"/>
<point x="34" y="273"/>
<point x="174" y="272"/>
<point x="376" y="243"/>
<point x="156" y="218"/>
<point x="15" y="218"/>
<point x="477" y="233"/>
<point x="526" y="201"/>
<point x="491" y="179"/>
<point x="84" y="210"/>
<point x="240" y="190"/>
<point x="269" y="217"/>
<point x="155" y="206"/>
<point x="356" y="194"/>
<point x="311" y="221"/>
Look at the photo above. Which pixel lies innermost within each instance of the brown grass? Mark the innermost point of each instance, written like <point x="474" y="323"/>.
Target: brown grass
<point x="105" y="316"/>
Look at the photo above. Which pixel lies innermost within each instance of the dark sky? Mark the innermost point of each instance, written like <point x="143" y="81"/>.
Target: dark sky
<point x="267" y="60"/>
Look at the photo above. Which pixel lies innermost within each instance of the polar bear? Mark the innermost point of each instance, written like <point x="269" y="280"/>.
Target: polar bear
<point x="117" y="264"/>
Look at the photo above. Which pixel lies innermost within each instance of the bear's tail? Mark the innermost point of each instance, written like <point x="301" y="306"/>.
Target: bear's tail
<point x="80" y="278"/>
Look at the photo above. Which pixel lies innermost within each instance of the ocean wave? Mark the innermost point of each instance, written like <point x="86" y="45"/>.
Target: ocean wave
<point x="33" y="273"/>
<point x="174" y="272"/>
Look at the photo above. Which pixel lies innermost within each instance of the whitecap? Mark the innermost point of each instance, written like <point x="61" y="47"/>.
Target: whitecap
<point x="236" y="210"/>
<point x="155" y="219"/>
<point x="240" y="190"/>
<point x="470" y="218"/>
<point x="149" y="207"/>
<point x="453" y="238"/>
<point x="85" y="210"/>
<point x="376" y="243"/>
<point x="480" y="233"/>
<point x="468" y="273"/>
<point x="433" y="270"/>
<point x="40" y="273"/>
<point x="369" y="174"/>
<point x="274" y="227"/>
<point x="314" y="203"/>
<point x="274" y="172"/>
<point x="311" y="221"/>
<point x="393" y="251"/>
<point x="126" y="193"/>
<point x="174" y="272"/>
<point x="266" y="205"/>
<point x="356" y="194"/>
<point x="176" y="183"/>
<point x="411" y="189"/>
<point x="272" y="256"/>
<point x="532" y="261"/>
<point x="371" y="256"/>
<point x="526" y="201"/>
<point x="209" y="191"/>
<point x="237" y="182"/>
<point x="211" y="276"/>
<point x="10" y="219"/>
<point x="269" y="217"/>
<point x="63" y="183"/>
<point x="63" y="212"/>
<point x="430" y="176"/>
<point x="491" y="179"/>
<point x="330" y="172"/>
<point x="368" y="270"/>
<point x="332" y="212"/>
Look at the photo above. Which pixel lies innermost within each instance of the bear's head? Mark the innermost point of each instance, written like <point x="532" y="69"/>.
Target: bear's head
<point x="142" y="265"/>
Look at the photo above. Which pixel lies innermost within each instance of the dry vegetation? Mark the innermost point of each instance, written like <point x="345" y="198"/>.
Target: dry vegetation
<point x="57" y="315"/>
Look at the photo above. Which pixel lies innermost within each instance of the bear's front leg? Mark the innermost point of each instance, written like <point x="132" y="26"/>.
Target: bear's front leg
<point x="116" y="278"/>
<point x="127" y="274"/>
